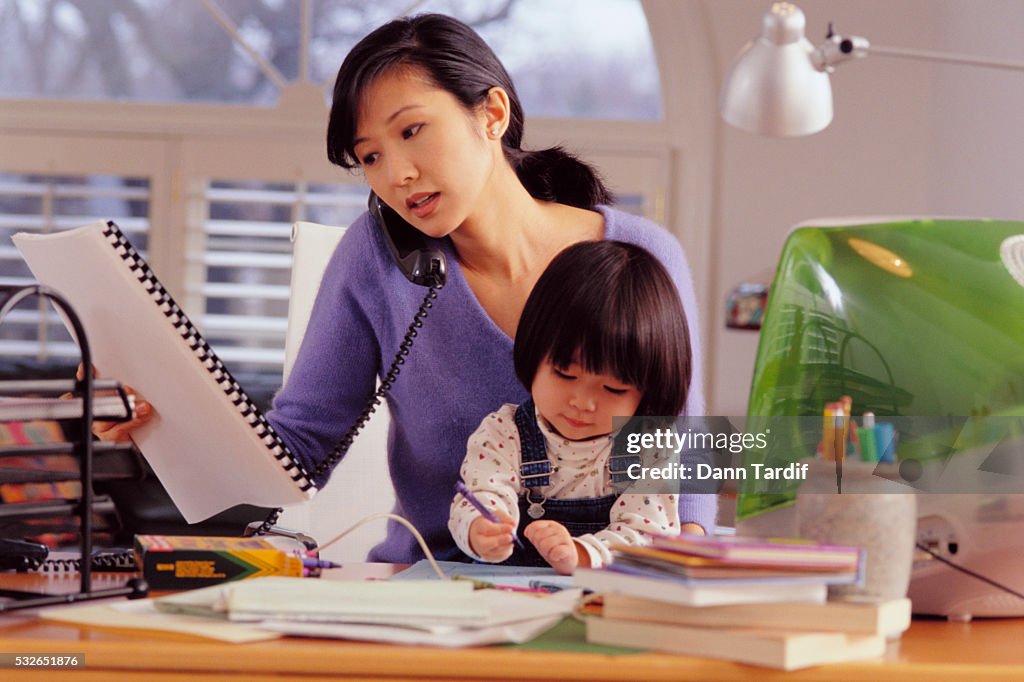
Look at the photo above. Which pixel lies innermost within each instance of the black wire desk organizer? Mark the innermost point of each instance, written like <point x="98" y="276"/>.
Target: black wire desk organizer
<point x="75" y="401"/>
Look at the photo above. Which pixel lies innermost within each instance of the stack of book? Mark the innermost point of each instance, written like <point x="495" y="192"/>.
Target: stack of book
<point x="756" y="601"/>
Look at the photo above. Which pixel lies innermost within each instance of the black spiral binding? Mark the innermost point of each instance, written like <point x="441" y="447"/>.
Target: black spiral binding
<point x="206" y="355"/>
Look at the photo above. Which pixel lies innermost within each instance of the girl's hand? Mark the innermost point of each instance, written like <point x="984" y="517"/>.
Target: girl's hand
<point x="492" y="542"/>
<point x="556" y="546"/>
<point x="692" y="529"/>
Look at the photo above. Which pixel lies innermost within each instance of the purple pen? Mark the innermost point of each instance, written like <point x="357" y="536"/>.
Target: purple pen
<point x="461" y="488"/>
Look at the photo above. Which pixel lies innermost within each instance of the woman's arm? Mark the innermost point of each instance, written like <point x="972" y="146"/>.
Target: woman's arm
<point x="335" y="371"/>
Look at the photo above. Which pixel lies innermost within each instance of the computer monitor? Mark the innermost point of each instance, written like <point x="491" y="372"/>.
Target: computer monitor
<point x="920" y="318"/>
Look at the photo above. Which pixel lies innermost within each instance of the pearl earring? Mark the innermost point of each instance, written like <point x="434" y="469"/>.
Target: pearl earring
<point x="495" y="130"/>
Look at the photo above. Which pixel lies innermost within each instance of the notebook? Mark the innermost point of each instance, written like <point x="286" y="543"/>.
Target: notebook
<point x="698" y="592"/>
<point x="855" y="616"/>
<point x="762" y="551"/>
<point x="785" y="650"/>
<point x="209" y="444"/>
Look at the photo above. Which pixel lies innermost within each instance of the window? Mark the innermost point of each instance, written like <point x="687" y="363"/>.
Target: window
<point x="572" y="58"/>
<point x="245" y="254"/>
<point x="47" y="203"/>
<point x="209" y="187"/>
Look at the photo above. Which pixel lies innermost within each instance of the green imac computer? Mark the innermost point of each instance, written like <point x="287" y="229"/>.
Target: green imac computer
<point x="923" y="321"/>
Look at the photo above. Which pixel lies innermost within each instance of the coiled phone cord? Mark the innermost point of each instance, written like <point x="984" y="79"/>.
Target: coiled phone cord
<point x="385" y="385"/>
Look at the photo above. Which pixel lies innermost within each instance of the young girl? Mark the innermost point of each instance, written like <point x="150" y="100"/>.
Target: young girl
<point x="603" y="334"/>
<point x="427" y="113"/>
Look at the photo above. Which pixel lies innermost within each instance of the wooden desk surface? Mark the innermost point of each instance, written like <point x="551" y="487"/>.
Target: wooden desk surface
<point x="930" y="650"/>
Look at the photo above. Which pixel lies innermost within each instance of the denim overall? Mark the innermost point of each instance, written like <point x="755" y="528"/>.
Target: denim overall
<point x="579" y="516"/>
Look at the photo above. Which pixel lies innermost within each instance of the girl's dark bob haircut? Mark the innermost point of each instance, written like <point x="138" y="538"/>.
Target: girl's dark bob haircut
<point x="613" y="308"/>
<point x="451" y="56"/>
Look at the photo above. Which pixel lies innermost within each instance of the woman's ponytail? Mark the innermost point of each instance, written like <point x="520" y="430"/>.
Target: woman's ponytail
<point x="557" y="175"/>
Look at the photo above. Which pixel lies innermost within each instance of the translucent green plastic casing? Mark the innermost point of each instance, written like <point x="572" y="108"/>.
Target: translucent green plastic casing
<point x="912" y="318"/>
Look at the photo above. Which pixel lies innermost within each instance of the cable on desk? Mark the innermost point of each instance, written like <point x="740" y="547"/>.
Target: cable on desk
<point x="969" y="572"/>
<point x="404" y="522"/>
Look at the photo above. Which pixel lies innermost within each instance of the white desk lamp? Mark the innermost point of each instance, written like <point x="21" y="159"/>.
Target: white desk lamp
<point x="779" y="82"/>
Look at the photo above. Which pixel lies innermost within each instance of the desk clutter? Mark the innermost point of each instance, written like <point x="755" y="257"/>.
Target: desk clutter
<point x="755" y="601"/>
<point x="428" y="612"/>
<point x="752" y="601"/>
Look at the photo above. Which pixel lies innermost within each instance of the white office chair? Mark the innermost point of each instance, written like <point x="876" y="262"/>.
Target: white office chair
<point x="360" y="485"/>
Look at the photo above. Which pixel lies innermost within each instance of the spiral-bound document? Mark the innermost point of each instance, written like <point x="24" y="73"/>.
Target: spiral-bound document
<point x="208" y="443"/>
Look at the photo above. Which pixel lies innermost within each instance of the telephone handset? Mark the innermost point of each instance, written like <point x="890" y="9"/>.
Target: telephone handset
<point x="420" y="263"/>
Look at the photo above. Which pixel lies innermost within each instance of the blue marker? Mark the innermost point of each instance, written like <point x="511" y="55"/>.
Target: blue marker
<point x="461" y="488"/>
<point x="311" y="562"/>
<point x="886" y="436"/>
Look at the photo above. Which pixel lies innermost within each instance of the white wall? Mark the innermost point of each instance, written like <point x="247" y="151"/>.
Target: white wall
<point x="880" y="156"/>
<point x="977" y="151"/>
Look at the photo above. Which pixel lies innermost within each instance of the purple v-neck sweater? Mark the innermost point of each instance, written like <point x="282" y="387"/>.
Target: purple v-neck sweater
<point x="458" y="371"/>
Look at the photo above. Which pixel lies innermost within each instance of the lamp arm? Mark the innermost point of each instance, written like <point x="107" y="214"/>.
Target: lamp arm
<point x="837" y="49"/>
<point x="949" y="58"/>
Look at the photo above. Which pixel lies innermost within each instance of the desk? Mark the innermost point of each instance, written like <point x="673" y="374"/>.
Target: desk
<point x="930" y="650"/>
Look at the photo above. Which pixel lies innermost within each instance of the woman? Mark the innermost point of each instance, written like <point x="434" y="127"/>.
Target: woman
<point x="428" y="113"/>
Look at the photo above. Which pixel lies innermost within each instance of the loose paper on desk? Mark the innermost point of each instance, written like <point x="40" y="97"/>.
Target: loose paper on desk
<point x="436" y="613"/>
<point x="512" y="617"/>
<point x="409" y="603"/>
<point x="142" y="615"/>
<point x="208" y="444"/>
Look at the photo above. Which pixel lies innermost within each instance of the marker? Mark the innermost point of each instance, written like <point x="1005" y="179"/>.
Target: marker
<point x="868" y="447"/>
<point x="310" y="562"/>
<point x="840" y="446"/>
<point x="828" y="433"/>
<point x="886" y="436"/>
<point x="461" y="488"/>
<point x="550" y="587"/>
<point x="486" y="585"/>
<point x="851" y="425"/>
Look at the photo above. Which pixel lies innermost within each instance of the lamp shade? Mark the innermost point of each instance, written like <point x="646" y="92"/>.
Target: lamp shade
<point x="773" y="86"/>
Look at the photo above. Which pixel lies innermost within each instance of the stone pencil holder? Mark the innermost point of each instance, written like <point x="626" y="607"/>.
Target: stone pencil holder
<point x="884" y="524"/>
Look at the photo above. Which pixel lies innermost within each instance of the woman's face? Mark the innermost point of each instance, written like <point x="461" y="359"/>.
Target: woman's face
<point x="422" y="153"/>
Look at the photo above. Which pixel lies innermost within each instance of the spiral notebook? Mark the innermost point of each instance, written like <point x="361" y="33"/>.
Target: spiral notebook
<point x="210" y="446"/>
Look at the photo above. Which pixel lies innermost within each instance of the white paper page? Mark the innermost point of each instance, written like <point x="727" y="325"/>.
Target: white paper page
<point x="405" y="602"/>
<point x="464" y="637"/>
<point x="201" y="448"/>
<point x="141" y="614"/>
<point x="512" y="617"/>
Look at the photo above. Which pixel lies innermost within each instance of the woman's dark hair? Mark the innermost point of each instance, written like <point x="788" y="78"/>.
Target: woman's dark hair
<point x="613" y="308"/>
<point x="454" y="58"/>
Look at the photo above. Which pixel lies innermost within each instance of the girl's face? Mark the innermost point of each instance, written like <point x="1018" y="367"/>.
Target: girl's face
<point x="579" y="404"/>
<point x="422" y="153"/>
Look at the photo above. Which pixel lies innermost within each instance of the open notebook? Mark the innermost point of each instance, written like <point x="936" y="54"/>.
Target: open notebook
<point x="208" y="443"/>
